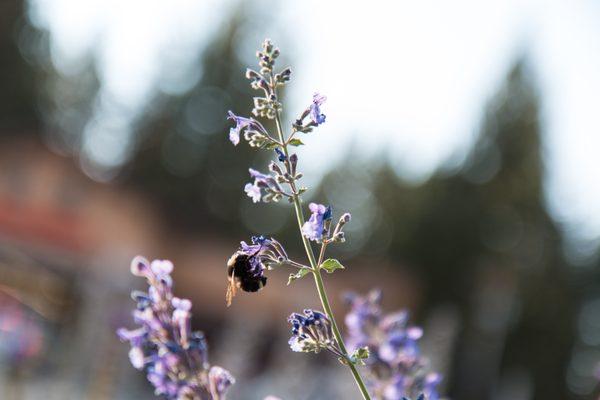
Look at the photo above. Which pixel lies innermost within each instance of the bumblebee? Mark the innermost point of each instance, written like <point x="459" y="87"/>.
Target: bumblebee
<point x="244" y="271"/>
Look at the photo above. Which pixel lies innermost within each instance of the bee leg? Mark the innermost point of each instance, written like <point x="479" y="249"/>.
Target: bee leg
<point x="231" y="288"/>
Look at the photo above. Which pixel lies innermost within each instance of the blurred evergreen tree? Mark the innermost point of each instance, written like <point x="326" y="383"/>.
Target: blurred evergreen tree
<point x="17" y="97"/>
<point x="191" y="170"/>
<point x="482" y="239"/>
<point x="185" y="161"/>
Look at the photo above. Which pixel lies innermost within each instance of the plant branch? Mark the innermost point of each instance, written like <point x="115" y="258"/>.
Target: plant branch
<point x="313" y="262"/>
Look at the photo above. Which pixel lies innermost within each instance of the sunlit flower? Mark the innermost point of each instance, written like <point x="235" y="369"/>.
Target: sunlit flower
<point x="253" y="191"/>
<point x="315" y="109"/>
<point x="241" y="124"/>
<point x="314" y="228"/>
<point x="262" y="183"/>
<point x="136" y="357"/>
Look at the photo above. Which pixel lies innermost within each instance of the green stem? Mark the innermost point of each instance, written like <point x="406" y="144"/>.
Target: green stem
<point x="336" y="332"/>
<point x="317" y="272"/>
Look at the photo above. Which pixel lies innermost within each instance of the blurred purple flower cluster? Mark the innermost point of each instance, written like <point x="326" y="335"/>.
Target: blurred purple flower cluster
<point x="396" y="368"/>
<point x="174" y="358"/>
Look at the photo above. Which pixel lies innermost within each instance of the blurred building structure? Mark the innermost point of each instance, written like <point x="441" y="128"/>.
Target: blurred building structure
<point x="63" y="239"/>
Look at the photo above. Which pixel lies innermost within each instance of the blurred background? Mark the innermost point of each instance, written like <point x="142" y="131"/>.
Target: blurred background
<point x="462" y="136"/>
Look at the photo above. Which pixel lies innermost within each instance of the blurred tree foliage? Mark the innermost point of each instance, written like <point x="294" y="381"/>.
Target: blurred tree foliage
<point x="186" y="162"/>
<point x="481" y="239"/>
<point x="18" y="89"/>
<point x="190" y="168"/>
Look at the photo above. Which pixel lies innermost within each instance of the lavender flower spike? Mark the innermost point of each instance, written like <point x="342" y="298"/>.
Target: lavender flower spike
<point x="315" y="109"/>
<point x="314" y="228"/>
<point x="398" y="370"/>
<point x="312" y="331"/>
<point x="175" y="358"/>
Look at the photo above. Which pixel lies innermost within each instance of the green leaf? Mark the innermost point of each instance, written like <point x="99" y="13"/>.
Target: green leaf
<point x="271" y="145"/>
<point x="331" y="265"/>
<point x="359" y="355"/>
<point x="301" y="273"/>
<point x="295" y="142"/>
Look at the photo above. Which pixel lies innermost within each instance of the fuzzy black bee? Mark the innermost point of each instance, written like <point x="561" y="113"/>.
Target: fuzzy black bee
<point x="241" y="268"/>
<point x="246" y="267"/>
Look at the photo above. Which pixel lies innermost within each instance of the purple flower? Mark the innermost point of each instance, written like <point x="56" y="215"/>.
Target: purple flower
<point x="312" y="332"/>
<point x="253" y="191"/>
<point x="158" y="271"/>
<point x="241" y="124"/>
<point x="135" y="337"/>
<point x="315" y="226"/>
<point x="161" y="267"/>
<point x="280" y="155"/>
<point x="219" y="380"/>
<point x="136" y="356"/>
<point x="140" y="267"/>
<point x="164" y="345"/>
<point x="398" y="370"/>
<point x="259" y="176"/>
<point x="315" y="109"/>
<point x="182" y="319"/>
<point x="262" y="182"/>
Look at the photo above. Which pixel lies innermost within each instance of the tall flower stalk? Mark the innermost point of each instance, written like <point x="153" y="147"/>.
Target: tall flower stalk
<point x="312" y="331"/>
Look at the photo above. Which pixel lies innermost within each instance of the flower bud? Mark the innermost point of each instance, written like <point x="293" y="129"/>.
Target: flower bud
<point x="345" y="218"/>
<point x="251" y="74"/>
<point x="219" y="380"/>
<point x="275" y="168"/>
<point x="293" y="163"/>
<point x="140" y="266"/>
<point x="339" y="237"/>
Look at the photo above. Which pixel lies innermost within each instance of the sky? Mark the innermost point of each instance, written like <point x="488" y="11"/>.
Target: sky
<point x="421" y="73"/>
